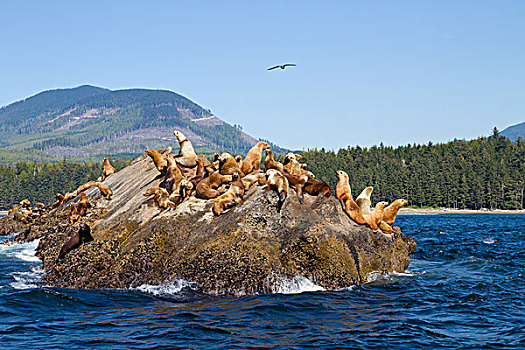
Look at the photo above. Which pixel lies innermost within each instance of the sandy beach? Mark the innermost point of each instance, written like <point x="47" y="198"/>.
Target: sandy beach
<point x="434" y="211"/>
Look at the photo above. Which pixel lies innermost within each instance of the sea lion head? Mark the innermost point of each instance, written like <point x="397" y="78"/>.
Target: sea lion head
<point x="25" y="203"/>
<point x="381" y="205"/>
<point x="263" y="145"/>
<point x="180" y="136"/>
<point x="400" y="202"/>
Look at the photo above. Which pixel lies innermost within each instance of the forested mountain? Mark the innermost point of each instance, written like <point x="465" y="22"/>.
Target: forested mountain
<point x="515" y="131"/>
<point x="91" y="122"/>
<point x="482" y="173"/>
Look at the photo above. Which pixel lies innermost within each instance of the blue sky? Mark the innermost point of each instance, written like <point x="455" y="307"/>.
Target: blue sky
<point x="367" y="72"/>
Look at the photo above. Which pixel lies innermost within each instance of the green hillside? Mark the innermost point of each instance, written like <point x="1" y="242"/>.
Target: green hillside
<point x="90" y="123"/>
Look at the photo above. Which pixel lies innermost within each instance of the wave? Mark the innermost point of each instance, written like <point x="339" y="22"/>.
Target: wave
<point x="29" y="279"/>
<point x="294" y="285"/>
<point x="22" y="251"/>
<point x="382" y="276"/>
<point x="167" y="289"/>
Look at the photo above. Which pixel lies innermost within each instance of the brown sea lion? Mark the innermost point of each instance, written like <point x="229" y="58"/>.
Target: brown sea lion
<point x="375" y="216"/>
<point x="343" y="192"/>
<point x="74" y="216"/>
<point x="202" y="172"/>
<point x="292" y="166"/>
<point x="108" y="169"/>
<point x="230" y="198"/>
<point x="277" y="181"/>
<point x="271" y="163"/>
<point x="250" y="179"/>
<point x="161" y="196"/>
<point x="83" y="236"/>
<point x="174" y="175"/>
<point x="159" y="159"/>
<point x="317" y="188"/>
<point x="186" y="156"/>
<point x="363" y="200"/>
<point x="253" y="158"/>
<point x="25" y="203"/>
<point x="208" y="187"/>
<point x="14" y="209"/>
<point x="105" y="190"/>
<point x="229" y="165"/>
<point x="83" y="204"/>
<point x="59" y="201"/>
<point x="389" y="215"/>
<point x="86" y="186"/>
<point x="70" y="195"/>
<point x="183" y="190"/>
<point x="297" y="182"/>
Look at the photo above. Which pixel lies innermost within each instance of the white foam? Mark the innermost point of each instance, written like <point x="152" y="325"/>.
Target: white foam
<point x="166" y="289"/>
<point x="489" y="241"/>
<point x="376" y="275"/>
<point x="22" y="251"/>
<point x="294" y="285"/>
<point x="29" y="279"/>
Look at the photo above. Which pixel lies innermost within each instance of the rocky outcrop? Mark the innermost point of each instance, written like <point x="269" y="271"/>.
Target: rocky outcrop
<point x="244" y="251"/>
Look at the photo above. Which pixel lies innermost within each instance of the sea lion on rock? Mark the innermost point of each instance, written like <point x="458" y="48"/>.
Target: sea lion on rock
<point x="253" y="158"/>
<point x="161" y="196"/>
<point x="389" y="215"/>
<point x="208" y="187"/>
<point x="108" y="169"/>
<point x="230" y="198"/>
<point x="83" y="236"/>
<point x="202" y="172"/>
<point x="375" y="216"/>
<point x="86" y="186"/>
<point x="292" y="165"/>
<point x="249" y="180"/>
<point x="297" y="182"/>
<point x="74" y="216"/>
<point x="343" y="192"/>
<point x="159" y="159"/>
<point x="70" y="195"/>
<point x="105" y="190"/>
<point x="25" y="203"/>
<point x="174" y="175"/>
<point x="277" y="181"/>
<point x="83" y="204"/>
<point x="363" y="200"/>
<point x="183" y="190"/>
<point x="186" y="156"/>
<point x="317" y="188"/>
<point x="271" y="163"/>
<point x="228" y="165"/>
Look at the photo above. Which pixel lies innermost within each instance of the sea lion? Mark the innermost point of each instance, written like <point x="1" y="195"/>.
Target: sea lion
<point x="70" y="195"/>
<point x="186" y="156"/>
<point x="161" y="196"/>
<point x="363" y="200"/>
<point x="317" y="188"/>
<point x="229" y="165"/>
<point x="86" y="186"/>
<point x="108" y="169"/>
<point x="183" y="190"/>
<point x="253" y="158"/>
<point x="105" y="190"/>
<point x="174" y="175"/>
<point x="83" y="236"/>
<point x="208" y="187"/>
<point x="343" y="192"/>
<point x="271" y="163"/>
<point x="375" y="216"/>
<point x="25" y="203"/>
<point x="297" y="182"/>
<point x="59" y="201"/>
<point x="74" y="216"/>
<point x="277" y="181"/>
<point x="83" y="204"/>
<point x="159" y="159"/>
<point x="389" y="215"/>
<point x="201" y="174"/>
<point x="230" y="198"/>
<point x="292" y="166"/>
<point x="249" y="180"/>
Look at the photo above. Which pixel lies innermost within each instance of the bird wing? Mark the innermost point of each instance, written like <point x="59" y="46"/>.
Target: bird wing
<point x="289" y="64"/>
<point x="273" y="67"/>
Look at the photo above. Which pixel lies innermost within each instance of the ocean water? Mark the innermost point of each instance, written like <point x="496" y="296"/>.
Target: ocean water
<point x="464" y="289"/>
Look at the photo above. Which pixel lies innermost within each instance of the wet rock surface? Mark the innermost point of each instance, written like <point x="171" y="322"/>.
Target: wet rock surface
<point x="244" y="251"/>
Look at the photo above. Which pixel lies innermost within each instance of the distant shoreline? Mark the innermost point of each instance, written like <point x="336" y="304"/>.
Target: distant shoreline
<point x="3" y="212"/>
<point x="434" y="211"/>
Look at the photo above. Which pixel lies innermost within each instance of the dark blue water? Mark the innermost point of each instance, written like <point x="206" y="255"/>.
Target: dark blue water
<point x="464" y="290"/>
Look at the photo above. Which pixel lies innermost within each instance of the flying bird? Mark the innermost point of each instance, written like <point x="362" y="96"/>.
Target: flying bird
<point x="282" y="66"/>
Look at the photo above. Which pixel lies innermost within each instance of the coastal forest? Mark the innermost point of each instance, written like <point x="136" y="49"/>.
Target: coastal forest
<point x="488" y="172"/>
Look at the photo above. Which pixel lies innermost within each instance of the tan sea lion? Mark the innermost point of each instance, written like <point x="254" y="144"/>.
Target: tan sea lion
<point x="297" y="182"/>
<point x="317" y="188"/>
<point x="25" y="203"/>
<point x="186" y="156"/>
<point x="74" y="216"/>
<point x="83" y="236"/>
<point x="292" y="166"/>
<point x="230" y="198"/>
<point x="343" y="192"/>
<point x="173" y="176"/>
<point x="70" y="195"/>
<point x="253" y="158"/>
<point x="14" y="209"/>
<point x="363" y="200"/>
<point x="161" y="196"/>
<point x="251" y="179"/>
<point x="208" y="187"/>
<point x="277" y="181"/>
<point x="105" y="190"/>
<point x="375" y="216"/>
<point x="271" y="163"/>
<point x="108" y="169"/>
<point x="229" y="165"/>
<point x="159" y="159"/>
<point x="83" y="204"/>
<point x="86" y="186"/>
<point x="183" y="190"/>
<point x="202" y="172"/>
<point x="389" y="215"/>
